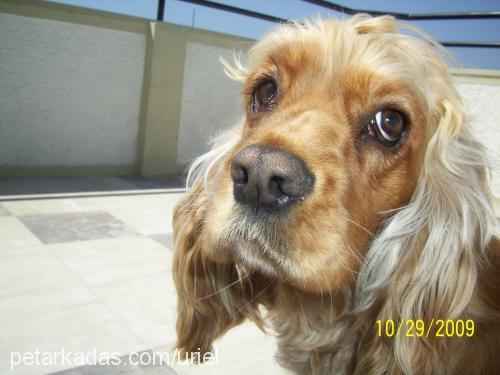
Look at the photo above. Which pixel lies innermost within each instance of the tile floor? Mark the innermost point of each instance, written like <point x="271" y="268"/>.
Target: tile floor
<point x="85" y="265"/>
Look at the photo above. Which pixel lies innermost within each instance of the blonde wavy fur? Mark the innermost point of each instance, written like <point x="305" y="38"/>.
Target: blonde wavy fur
<point x="425" y="261"/>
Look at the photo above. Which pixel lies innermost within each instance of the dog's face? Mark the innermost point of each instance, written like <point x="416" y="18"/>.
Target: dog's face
<point x="333" y="139"/>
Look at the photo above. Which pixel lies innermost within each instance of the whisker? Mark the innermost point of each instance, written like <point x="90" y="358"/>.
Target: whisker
<point x="222" y="289"/>
<point x="358" y="225"/>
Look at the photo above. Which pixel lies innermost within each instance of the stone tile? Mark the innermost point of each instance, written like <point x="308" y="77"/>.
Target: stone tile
<point x="150" y="306"/>
<point x="148" y="214"/>
<point x="13" y="252"/>
<point x="113" y="294"/>
<point x="76" y="226"/>
<point x="127" y="365"/>
<point x="72" y="320"/>
<point x="33" y="270"/>
<point x="46" y="206"/>
<point x="166" y="239"/>
<point x="4" y="211"/>
<point x="114" y="259"/>
<point x="146" y="221"/>
<point x="166" y="200"/>
<point x="13" y="233"/>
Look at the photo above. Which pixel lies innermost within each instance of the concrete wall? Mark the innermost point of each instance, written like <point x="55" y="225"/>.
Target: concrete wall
<point x="188" y="97"/>
<point x="483" y="100"/>
<point x="70" y="94"/>
<point x="96" y="93"/>
<point x="210" y="101"/>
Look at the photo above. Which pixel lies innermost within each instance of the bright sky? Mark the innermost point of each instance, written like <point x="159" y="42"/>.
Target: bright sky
<point x="215" y="20"/>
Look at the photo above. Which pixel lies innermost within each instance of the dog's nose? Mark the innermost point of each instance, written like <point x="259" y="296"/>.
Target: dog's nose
<point x="265" y="177"/>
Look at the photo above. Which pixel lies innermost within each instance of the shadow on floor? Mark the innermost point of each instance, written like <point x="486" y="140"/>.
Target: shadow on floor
<point x="63" y="185"/>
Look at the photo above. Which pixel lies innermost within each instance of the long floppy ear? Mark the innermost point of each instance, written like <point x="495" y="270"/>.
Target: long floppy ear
<point x="425" y="262"/>
<point x="426" y="258"/>
<point x="213" y="296"/>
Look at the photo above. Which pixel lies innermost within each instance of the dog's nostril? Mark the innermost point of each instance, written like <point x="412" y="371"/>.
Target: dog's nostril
<point x="276" y="184"/>
<point x="277" y="179"/>
<point x="239" y="175"/>
<point x="264" y="177"/>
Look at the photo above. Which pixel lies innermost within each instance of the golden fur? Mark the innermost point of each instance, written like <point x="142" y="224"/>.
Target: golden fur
<point x="396" y="234"/>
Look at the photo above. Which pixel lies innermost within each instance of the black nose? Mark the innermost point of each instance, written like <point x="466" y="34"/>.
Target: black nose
<point x="265" y="177"/>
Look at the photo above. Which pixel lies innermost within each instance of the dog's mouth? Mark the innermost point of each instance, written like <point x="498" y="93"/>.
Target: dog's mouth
<point x="257" y="239"/>
<point x="260" y="226"/>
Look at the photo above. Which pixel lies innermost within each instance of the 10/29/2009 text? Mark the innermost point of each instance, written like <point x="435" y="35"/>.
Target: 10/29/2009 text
<point x="421" y="328"/>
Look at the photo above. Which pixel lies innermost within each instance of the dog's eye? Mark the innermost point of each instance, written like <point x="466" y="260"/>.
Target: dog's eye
<point x="386" y="126"/>
<point x="264" y="96"/>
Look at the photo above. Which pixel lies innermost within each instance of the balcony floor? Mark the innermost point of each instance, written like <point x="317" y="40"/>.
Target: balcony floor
<point x="86" y="265"/>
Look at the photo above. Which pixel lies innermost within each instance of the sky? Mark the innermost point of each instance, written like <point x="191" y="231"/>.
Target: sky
<point x="210" y="19"/>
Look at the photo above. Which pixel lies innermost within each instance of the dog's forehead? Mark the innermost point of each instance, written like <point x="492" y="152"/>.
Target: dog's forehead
<point x="326" y="44"/>
<point x="330" y="47"/>
<point x="337" y="69"/>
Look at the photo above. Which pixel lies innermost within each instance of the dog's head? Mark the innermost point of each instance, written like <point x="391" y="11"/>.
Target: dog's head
<point x="338" y="115"/>
<point x="344" y="121"/>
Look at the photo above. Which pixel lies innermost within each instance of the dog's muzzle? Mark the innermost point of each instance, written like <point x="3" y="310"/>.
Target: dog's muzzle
<point x="270" y="179"/>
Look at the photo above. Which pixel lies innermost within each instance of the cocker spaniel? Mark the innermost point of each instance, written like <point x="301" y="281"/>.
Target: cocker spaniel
<point x="348" y="213"/>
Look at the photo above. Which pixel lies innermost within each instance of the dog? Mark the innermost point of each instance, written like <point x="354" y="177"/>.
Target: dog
<point x="348" y="212"/>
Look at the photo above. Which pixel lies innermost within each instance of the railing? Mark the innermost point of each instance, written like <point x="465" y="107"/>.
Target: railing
<point x="350" y="11"/>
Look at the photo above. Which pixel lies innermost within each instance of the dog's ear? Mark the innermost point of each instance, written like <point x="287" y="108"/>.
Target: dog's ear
<point x="428" y="255"/>
<point x="213" y="295"/>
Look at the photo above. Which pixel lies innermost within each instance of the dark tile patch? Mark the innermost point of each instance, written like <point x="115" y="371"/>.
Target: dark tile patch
<point x="76" y="226"/>
<point x="166" y="239"/>
<point x="4" y="211"/>
<point x="124" y="367"/>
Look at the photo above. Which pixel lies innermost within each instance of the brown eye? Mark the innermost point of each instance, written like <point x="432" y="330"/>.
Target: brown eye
<point x="387" y="126"/>
<point x="264" y="96"/>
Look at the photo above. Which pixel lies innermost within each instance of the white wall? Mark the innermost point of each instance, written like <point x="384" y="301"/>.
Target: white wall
<point x="210" y="100"/>
<point x="484" y="108"/>
<point x="69" y="94"/>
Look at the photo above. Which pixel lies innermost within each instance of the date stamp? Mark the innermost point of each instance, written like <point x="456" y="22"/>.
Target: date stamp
<point x="421" y="328"/>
